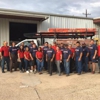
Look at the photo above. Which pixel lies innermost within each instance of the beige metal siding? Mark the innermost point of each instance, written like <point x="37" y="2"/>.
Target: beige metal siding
<point x="4" y="31"/>
<point x="65" y="22"/>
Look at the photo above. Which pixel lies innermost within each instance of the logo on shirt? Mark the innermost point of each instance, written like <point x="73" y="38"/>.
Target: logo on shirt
<point x="14" y="49"/>
<point x="65" y="51"/>
<point x="49" y="51"/>
<point x="91" y="47"/>
<point x="76" y="49"/>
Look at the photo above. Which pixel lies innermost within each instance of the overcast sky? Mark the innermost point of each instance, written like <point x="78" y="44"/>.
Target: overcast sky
<point x="66" y="7"/>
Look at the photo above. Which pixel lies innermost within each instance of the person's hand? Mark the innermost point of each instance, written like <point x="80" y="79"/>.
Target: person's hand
<point x="1" y="57"/>
<point x="67" y="60"/>
<point x="51" y="60"/>
<point x="10" y="58"/>
<point x="60" y="61"/>
<point x="79" y="59"/>
<point x="28" y="59"/>
<point x="93" y="57"/>
<point x="46" y="59"/>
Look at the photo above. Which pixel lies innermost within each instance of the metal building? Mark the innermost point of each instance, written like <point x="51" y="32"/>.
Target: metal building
<point x="43" y="21"/>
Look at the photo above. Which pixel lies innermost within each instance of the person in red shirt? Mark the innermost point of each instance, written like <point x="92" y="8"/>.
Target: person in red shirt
<point x="58" y="58"/>
<point x="4" y="53"/>
<point x="27" y="59"/>
<point x="21" y="58"/>
<point x="98" y="53"/>
<point x="72" y="61"/>
<point x="40" y="61"/>
<point x="54" y="46"/>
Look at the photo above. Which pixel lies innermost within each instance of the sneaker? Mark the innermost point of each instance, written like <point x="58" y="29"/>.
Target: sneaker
<point x="21" y="71"/>
<point x="67" y="74"/>
<point x="3" y="71"/>
<point x="79" y="74"/>
<point x="27" y="72"/>
<point x="40" y="73"/>
<point x="34" y="71"/>
<point x="31" y="71"/>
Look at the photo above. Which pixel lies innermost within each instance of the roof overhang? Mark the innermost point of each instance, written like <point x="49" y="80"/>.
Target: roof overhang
<point x="96" y="20"/>
<point x="22" y="15"/>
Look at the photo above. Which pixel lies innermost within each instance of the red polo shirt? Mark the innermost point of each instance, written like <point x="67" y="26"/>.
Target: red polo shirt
<point x="72" y="51"/>
<point x="21" y="53"/>
<point x="54" y="47"/>
<point x="98" y="50"/>
<point x="5" y="51"/>
<point x="58" y="55"/>
<point x="27" y="54"/>
<point x="39" y="54"/>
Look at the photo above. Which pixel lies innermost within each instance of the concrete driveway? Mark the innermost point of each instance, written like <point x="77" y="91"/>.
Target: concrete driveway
<point x="22" y="86"/>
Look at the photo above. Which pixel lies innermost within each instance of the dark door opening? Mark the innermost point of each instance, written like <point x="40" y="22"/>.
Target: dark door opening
<point x="17" y="30"/>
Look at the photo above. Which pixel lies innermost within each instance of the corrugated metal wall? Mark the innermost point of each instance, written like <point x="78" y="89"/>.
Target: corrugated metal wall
<point x="51" y="22"/>
<point x="65" y="22"/>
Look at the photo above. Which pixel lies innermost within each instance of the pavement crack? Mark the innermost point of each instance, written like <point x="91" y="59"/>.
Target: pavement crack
<point x="37" y="93"/>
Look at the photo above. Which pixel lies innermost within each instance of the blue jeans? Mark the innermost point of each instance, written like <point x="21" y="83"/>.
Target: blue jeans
<point x="27" y="64"/>
<point x="7" y="60"/>
<point x="85" y="64"/>
<point x="78" y="65"/>
<point x="99" y="62"/>
<point x="40" y="65"/>
<point x="21" y="64"/>
<point x="66" y="66"/>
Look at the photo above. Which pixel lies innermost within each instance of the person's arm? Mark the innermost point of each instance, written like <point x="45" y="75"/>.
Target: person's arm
<point x="1" y="53"/>
<point x="9" y="55"/>
<point x="69" y="56"/>
<point x="31" y="57"/>
<point x="26" y="57"/>
<point x="87" y="52"/>
<point x="80" y="56"/>
<point x="61" y="57"/>
<point x="53" y="55"/>
<point x="95" y="53"/>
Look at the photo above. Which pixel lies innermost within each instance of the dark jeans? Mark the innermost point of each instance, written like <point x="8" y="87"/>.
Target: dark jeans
<point x="13" y="62"/>
<point x="7" y="60"/>
<point x="50" y="66"/>
<point x="62" y="66"/>
<point x="85" y="64"/>
<point x="40" y="65"/>
<point x="27" y="64"/>
<point x="72" y="65"/>
<point x="78" y="65"/>
<point x="21" y="64"/>
<point x="45" y="63"/>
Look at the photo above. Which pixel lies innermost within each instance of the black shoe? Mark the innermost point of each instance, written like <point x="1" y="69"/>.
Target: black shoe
<point x="50" y="74"/>
<point x="89" y="70"/>
<point x="3" y="71"/>
<point x="79" y="73"/>
<point x="21" y="71"/>
<point x="67" y="74"/>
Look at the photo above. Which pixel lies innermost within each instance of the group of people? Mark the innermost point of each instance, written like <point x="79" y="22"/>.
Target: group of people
<point x="59" y="58"/>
